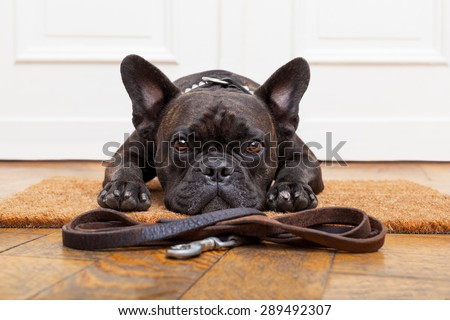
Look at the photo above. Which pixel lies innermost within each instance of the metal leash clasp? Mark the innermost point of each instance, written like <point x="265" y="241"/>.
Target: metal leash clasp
<point x="195" y="248"/>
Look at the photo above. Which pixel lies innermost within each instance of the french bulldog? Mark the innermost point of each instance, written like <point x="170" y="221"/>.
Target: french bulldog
<point x="215" y="140"/>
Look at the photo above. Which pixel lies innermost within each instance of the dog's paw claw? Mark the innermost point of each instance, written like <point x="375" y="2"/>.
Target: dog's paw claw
<point x="102" y="194"/>
<point x="285" y="196"/>
<point x="125" y="196"/>
<point x="144" y="197"/>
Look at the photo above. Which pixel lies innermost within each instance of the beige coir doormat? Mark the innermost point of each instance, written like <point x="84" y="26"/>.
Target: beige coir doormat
<point x="404" y="206"/>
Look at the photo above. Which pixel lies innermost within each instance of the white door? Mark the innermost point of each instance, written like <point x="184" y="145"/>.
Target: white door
<point x="380" y="81"/>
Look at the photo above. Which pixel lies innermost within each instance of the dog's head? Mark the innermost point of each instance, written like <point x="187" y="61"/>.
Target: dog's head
<point x="215" y="147"/>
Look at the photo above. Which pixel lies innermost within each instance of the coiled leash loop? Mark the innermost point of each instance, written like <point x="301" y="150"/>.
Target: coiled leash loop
<point x="340" y="228"/>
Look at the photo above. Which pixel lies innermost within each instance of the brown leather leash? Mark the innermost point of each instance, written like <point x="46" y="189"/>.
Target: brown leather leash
<point x="340" y="228"/>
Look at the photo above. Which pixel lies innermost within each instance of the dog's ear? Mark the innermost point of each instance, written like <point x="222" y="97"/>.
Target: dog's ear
<point x="149" y="89"/>
<point x="282" y="93"/>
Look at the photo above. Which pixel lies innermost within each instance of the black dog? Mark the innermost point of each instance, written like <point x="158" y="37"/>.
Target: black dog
<point x="215" y="140"/>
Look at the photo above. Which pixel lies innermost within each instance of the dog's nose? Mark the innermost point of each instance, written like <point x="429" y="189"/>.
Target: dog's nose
<point x="217" y="169"/>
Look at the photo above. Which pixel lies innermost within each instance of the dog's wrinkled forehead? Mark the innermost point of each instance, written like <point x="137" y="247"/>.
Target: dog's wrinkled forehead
<point x="221" y="115"/>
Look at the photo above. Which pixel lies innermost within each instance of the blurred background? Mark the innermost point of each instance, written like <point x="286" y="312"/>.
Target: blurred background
<point x="380" y="76"/>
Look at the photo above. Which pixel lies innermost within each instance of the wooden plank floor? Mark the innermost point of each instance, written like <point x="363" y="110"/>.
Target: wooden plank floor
<point x="34" y="264"/>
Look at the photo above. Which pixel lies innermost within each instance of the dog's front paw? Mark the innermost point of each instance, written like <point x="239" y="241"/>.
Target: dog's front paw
<point x="287" y="196"/>
<point x="125" y="196"/>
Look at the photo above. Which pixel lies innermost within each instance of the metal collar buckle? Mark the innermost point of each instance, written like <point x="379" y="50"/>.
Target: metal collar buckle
<point x="226" y="82"/>
<point x="195" y="248"/>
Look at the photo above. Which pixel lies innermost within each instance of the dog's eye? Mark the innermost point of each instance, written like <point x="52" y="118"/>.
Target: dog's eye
<point x="254" y="147"/>
<point x="181" y="145"/>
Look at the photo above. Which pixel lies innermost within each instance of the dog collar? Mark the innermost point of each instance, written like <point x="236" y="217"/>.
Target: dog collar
<point x="225" y="83"/>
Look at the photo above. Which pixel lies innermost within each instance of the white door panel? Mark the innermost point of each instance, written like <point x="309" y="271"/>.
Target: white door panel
<point x="380" y="76"/>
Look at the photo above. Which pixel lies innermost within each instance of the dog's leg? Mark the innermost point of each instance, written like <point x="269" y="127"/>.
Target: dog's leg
<point x="125" y="176"/>
<point x="150" y="91"/>
<point x="298" y="179"/>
